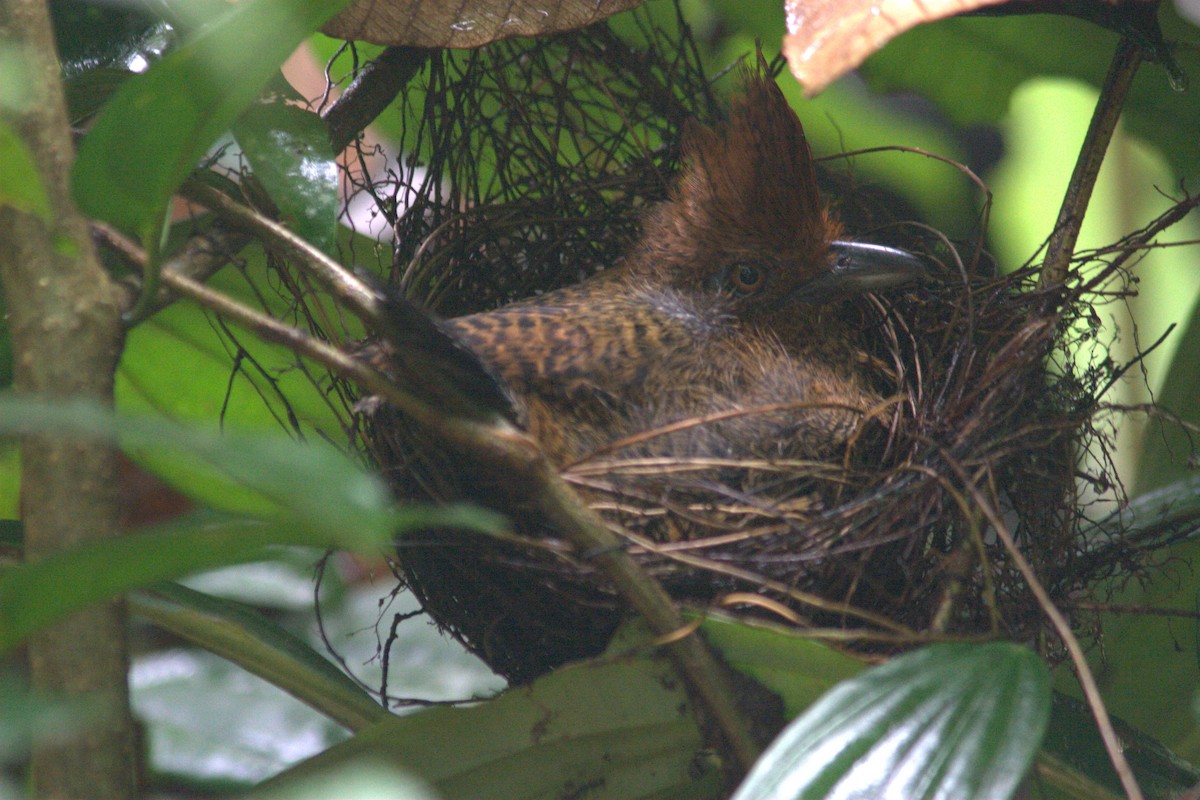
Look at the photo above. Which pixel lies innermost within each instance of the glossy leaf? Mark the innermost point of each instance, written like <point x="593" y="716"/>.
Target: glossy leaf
<point x="160" y="123"/>
<point x="97" y="34"/>
<point x="288" y="149"/>
<point x="948" y="721"/>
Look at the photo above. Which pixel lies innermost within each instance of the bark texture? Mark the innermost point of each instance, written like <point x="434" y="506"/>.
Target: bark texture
<point x="66" y="334"/>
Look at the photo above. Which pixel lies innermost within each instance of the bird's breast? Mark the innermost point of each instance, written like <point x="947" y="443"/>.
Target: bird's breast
<point x="591" y="369"/>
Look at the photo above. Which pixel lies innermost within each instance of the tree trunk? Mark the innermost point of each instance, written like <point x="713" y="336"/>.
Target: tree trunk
<point x="66" y="335"/>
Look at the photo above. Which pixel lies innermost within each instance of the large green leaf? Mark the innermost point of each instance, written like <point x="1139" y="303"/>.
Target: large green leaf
<point x="306" y="495"/>
<point x="35" y="594"/>
<point x="948" y="721"/>
<point x="614" y="728"/>
<point x="160" y="123"/>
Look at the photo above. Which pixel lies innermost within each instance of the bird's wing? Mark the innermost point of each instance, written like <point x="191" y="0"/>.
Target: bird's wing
<point x="428" y="356"/>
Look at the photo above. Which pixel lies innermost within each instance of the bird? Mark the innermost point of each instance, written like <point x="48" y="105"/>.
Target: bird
<point x="727" y="301"/>
<point x="730" y="309"/>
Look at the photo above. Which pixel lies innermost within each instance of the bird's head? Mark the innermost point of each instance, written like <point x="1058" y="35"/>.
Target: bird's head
<point x="746" y="220"/>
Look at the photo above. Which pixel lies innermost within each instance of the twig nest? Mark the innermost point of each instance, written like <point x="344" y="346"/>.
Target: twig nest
<point x="889" y="543"/>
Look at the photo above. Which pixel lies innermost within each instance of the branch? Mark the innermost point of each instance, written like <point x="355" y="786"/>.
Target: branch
<point x="374" y="88"/>
<point x="201" y="257"/>
<point x="66" y="335"/>
<point x="1124" y="66"/>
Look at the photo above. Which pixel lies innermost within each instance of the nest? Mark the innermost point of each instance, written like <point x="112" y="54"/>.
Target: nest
<point x="985" y="424"/>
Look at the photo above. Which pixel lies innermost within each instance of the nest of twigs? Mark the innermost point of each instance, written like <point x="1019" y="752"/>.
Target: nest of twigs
<point x="979" y="448"/>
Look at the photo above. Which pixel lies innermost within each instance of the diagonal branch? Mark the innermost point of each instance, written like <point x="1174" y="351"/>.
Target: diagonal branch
<point x="1120" y="76"/>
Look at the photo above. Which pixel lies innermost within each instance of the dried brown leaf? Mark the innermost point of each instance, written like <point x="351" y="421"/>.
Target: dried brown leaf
<point x="466" y="23"/>
<point x="828" y="38"/>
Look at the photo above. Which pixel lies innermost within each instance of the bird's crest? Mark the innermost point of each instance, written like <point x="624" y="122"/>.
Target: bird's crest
<point x="747" y="190"/>
<point x="755" y="169"/>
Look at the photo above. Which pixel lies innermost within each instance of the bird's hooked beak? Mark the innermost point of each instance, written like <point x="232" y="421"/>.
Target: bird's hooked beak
<point x="859" y="267"/>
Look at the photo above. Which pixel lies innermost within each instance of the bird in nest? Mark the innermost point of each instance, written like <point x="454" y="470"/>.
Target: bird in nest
<point x="727" y="311"/>
<point x="722" y="339"/>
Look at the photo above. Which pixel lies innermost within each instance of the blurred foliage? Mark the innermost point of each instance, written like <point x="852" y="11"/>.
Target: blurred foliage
<point x="964" y="86"/>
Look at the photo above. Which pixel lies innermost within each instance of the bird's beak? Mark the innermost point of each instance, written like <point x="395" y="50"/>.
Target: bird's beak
<point x="859" y="267"/>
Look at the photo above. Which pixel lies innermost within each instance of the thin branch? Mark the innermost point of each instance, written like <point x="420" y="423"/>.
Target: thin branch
<point x="200" y="258"/>
<point x="1124" y="66"/>
<point x="360" y="298"/>
<point x="373" y="89"/>
<point x="1083" y="672"/>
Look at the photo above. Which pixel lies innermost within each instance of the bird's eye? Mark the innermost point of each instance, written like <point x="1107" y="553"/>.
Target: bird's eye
<point x="747" y="278"/>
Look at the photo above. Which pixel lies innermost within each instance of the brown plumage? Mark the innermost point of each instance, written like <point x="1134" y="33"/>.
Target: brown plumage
<point x="705" y="313"/>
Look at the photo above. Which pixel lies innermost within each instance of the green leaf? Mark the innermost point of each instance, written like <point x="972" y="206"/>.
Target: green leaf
<point x="948" y="721"/>
<point x="20" y="185"/>
<point x="35" y="594"/>
<point x="251" y="641"/>
<point x="160" y="123"/>
<point x="312" y="487"/>
<point x="612" y="728"/>
<point x="357" y="781"/>
<point x="995" y="55"/>
<point x="308" y="495"/>
<point x="288" y="149"/>
<point x="796" y="668"/>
